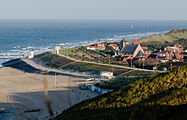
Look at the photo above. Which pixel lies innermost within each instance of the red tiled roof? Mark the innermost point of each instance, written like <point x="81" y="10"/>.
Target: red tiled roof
<point x="93" y="46"/>
<point x="115" y="45"/>
<point x="129" y="55"/>
<point x="178" y="45"/>
<point x="135" y="42"/>
<point x="144" y="47"/>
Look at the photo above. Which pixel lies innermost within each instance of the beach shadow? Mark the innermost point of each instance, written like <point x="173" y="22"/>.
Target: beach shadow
<point x="33" y="105"/>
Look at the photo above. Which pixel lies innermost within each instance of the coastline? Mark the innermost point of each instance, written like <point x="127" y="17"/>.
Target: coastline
<point x="25" y="51"/>
<point x="31" y="68"/>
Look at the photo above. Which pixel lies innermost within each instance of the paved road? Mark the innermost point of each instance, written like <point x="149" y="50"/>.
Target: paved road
<point x="66" y="73"/>
<point x="117" y="66"/>
<point x="126" y="73"/>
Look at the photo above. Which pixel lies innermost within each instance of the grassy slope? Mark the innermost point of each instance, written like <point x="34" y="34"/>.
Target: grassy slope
<point x="127" y="79"/>
<point x="162" y="97"/>
<point x="52" y="60"/>
<point x="175" y="36"/>
<point x="95" y="69"/>
<point x="57" y="61"/>
<point x="81" y="53"/>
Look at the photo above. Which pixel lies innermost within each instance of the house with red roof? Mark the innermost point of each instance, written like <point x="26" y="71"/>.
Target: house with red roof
<point x="177" y="48"/>
<point x="114" y="46"/>
<point x="147" y="52"/>
<point x="166" y="56"/>
<point x="97" y="46"/>
<point x="135" y="43"/>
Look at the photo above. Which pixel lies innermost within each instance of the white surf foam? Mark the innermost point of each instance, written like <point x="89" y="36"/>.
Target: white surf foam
<point x="18" y="51"/>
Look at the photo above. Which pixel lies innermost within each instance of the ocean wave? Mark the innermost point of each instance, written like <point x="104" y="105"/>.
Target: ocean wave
<point x="18" y="51"/>
<point x="112" y="39"/>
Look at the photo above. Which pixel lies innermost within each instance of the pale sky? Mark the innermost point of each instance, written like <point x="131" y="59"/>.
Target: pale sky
<point x="94" y="9"/>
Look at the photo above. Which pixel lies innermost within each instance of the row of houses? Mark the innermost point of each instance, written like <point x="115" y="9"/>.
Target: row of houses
<point x="173" y="52"/>
<point x="177" y="48"/>
<point x="133" y="50"/>
<point x="163" y="56"/>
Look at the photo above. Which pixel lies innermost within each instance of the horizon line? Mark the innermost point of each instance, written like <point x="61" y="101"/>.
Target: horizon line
<point x="95" y="19"/>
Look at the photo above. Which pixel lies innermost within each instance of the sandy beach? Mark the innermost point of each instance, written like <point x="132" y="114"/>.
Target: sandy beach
<point x="23" y="92"/>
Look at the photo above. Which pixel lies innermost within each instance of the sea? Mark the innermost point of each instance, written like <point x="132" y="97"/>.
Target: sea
<point x="18" y="37"/>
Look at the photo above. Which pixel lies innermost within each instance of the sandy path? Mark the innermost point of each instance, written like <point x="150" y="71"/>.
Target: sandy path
<point x="24" y="91"/>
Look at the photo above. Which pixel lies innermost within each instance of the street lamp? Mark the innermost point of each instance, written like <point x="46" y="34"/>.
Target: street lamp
<point x="143" y="64"/>
<point x="67" y="51"/>
<point x="131" y="60"/>
<point x="109" y="59"/>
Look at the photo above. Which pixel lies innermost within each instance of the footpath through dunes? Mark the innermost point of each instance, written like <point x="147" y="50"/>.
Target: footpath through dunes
<point x="116" y="66"/>
<point x="22" y="93"/>
<point x="163" y="97"/>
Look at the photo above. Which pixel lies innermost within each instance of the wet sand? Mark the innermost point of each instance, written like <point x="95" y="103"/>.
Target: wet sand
<point x="24" y="92"/>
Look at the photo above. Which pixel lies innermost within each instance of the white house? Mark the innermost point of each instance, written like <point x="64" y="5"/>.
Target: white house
<point x="31" y="54"/>
<point x="91" y="48"/>
<point x="106" y="74"/>
<point x="57" y="49"/>
<point x="97" y="46"/>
